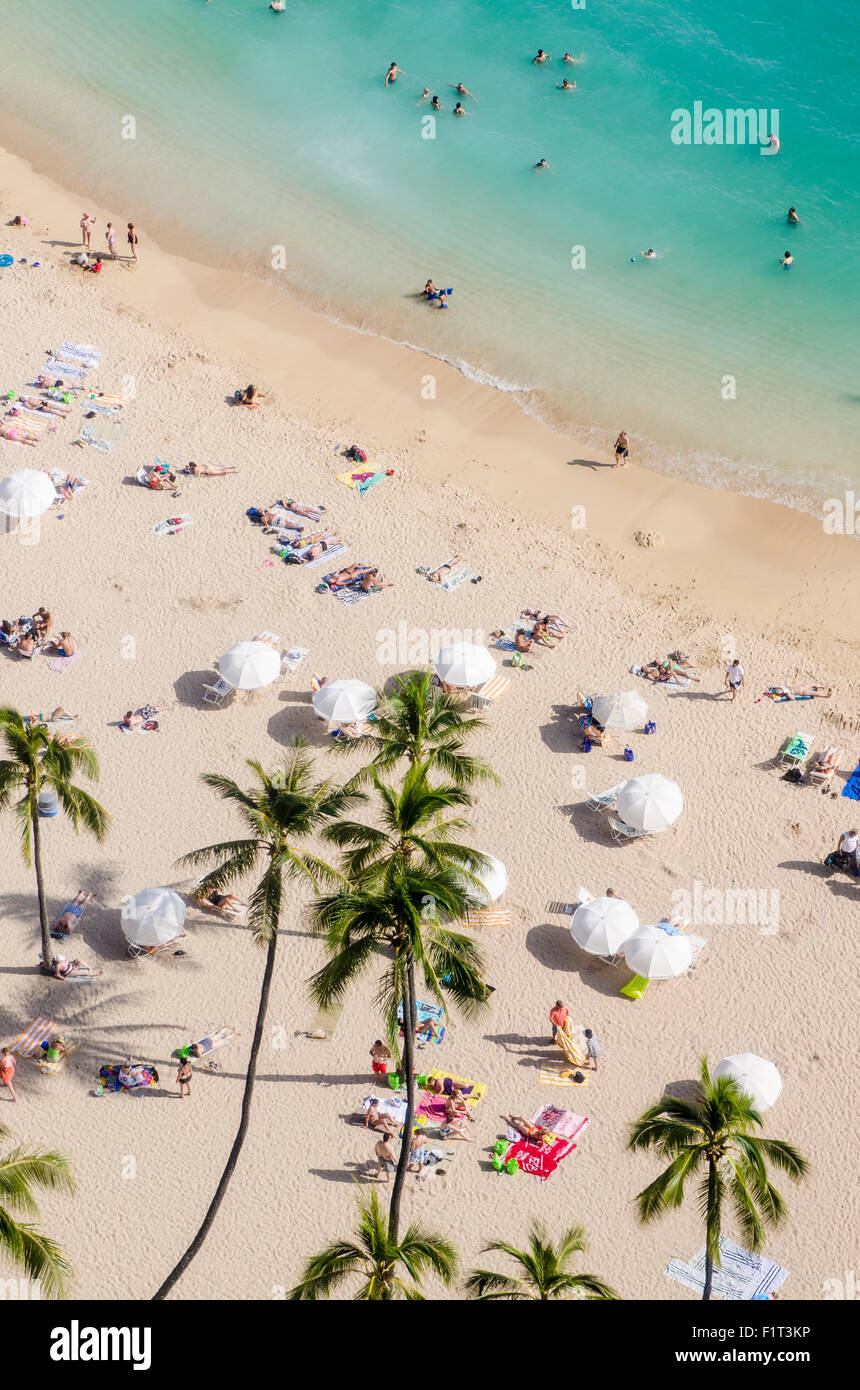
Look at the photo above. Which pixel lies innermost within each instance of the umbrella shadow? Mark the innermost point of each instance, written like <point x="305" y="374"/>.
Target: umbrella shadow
<point x="188" y="689"/>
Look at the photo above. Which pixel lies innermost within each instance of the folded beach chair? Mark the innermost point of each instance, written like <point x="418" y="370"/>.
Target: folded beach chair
<point x="604" y="801"/>
<point x="796" y="751"/>
<point x="217" y="693"/>
<point x="621" y="832"/>
<point x="822" y="770"/>
<point x="54" y="1068"/>
<point x="490" y="691"/>
<point x="635" y="988"/>
<point x="31" y="1039"/>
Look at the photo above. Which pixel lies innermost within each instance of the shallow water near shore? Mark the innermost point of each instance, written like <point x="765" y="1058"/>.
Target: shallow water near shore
<point x="255" y="131"/>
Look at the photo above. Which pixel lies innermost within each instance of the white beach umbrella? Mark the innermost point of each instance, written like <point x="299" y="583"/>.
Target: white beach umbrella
<point x="250" y="665"/>
<point x="625" y="709"/>
<point x="29" y="492"/>
<point x="153" y="917"/>
<point x="756" y="1076"/>
<point x="657" y="955"/>
<point x="463" y="665"/>
<point x="650" y="803"/>
<point x="345" y="701"/>
<point x="602" y="925"/>
<point x="493" y="880"/>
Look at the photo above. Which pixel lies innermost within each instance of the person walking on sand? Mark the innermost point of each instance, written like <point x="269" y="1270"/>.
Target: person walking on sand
<point x="622" y="449"/>
<point x="7" y="1070"/>
<point x="184" y="1074"/>
<point x="386" y="1157"/>
<point x="110" y="238"/>
<point x="592" y="1047"/>
<point x="380" y="1057"/>
<point x="735" y="678"/>
<point x="558" y="1016"/>
<point x="132" y="240"/>
<point x="87" y="224"/>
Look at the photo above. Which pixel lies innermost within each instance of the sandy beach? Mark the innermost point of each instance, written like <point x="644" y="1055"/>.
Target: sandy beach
<point x="711" y="572"/>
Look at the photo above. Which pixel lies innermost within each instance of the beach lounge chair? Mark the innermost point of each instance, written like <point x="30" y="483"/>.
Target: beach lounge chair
<point x="30" y="1041"/>
<point x="268" y="639"/>
<point x="490" y="691"/>
<point x="635" y="988"/>
<point x="604" y="801"/>
<point x="55" y="1067"/>
<point x="591" y="731"/>
<point x="217" y="693"/>
<point x="292" y="660"/>
<point x="621" y="832"/>
<point x="796" y="751"/>
<point x="139" y="952"/>
<point x="822" y="770"/>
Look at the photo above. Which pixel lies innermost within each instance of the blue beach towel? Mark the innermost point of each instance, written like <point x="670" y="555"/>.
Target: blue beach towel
<point x="852" y="786"/>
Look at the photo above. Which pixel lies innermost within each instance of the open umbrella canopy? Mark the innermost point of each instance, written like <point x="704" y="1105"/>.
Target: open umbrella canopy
<point x="625" y="709"/>
<point x="29" y="492"/>
<point x="153" y="917"/>
<point x="493" y="880"/>
<point x="650" y="803"/>
<point x="250" y="665"/>
<point x="756" y="1077"/>
<point x="464" y="665"/>
<point x="602" y="925"/>
<point x="656" y="955"/>
<point x="345" y="701"/>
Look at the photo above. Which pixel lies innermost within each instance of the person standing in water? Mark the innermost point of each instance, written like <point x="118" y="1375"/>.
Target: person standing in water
<point x="622" y="449"/>
<point x="458" y="110"/>
<point x="425" y="94"/>
<point x="541" y="164"/>
<point x="565" y="86"/>
<point x="787" y="261"/>
<point x="436" y="104"/>
<point x="132" y="240"/>
<point x="463" y="91"/>
<point x="393" y="73"/>
<point x="540" y="57"/>
<point x="793" y="218"/>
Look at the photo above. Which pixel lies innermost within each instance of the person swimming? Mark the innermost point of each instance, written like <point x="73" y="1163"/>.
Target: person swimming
<point x="541" y="164"/>
<point x="787" y="261"/>
<point x="463" y="91"/>
<point x="650" y="254"/>
<point x="458" y="110"/>
<point x="541" y="57"/>
<point x="792" y="216"/>
<point x="425" y="94"/>
<point x="436" y="104"/>
<point x="565" y="86"/>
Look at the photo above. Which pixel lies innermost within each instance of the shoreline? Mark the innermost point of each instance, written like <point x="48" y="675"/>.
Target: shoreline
<point x="472" y="430"/>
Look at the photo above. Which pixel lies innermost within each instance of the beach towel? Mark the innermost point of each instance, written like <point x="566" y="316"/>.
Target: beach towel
<point x="32" y="1038"/>
<point x="560" y="1076"/>
<point x="85" y="351"/>
<point x="62" y="663"/>
<point x="488" y="917"/>
<point x="88" y="440"/>
<point x="473" y="1091"/>
<point x="541" y="1160"/>
<point x="425" y="1012"/>
<point x="852" y="786"/>
<point x="59" y="478"/>
<point x="172" y="525"/>
<point x="350" y="596"/>
<point x="326" y="555"/>
<point x="742" y="1275"/>
<point x="564" y="1124"/>
<point x="362" y="477"/>
<point x="54" y="1068"/>
<point x="293" y="659"/>
<point x="325" y="1021"/>
<point x="53" y="367"/>
<point x="453" y="581"/>
<point x="109" y="1078"/>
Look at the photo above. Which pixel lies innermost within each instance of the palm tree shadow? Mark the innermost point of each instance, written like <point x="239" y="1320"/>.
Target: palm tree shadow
<point x="687" y="1089"/>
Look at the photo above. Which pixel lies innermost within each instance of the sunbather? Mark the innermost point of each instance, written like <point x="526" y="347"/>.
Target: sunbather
<point x="71" y="486"/>
<point x="442" y="571"/>
<point x="63" y="969"/>
<point x="553" y="620"/>
<point x="374" y="1120"/>
<point x="16" y="434"/>
<point x="657" y="671"/>
<point x="66" y="922"/>
<point x="227" y="904"/>
<point x="317" y="548"/>
<point x="289" y="504"/>
<point x="540" y="634"/>
<point x="535" y="1133"/>
<point x="456" y="1115"/>
<point x="26" y="644"/>
<point x="341" y="578"/>
<point x="51" y="407"/>
<point x="57" y="716"/>
<point x="206" y="470"/>
<point x="372" y="582"/>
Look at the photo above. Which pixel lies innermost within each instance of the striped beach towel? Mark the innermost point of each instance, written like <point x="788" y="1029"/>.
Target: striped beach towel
<point x="453" y="581"/>
<point x="488" y="917"/>
<point x="32" y="1038"/>
<point x="85" y="351"/>
<point x="742" y="1275"/>
<point x="560" y="1076"/>
<point x="63" y="368"/>
<point x="326" y="555"/>
<point x="350" y="596"/>
<point x="54" y="1068"/>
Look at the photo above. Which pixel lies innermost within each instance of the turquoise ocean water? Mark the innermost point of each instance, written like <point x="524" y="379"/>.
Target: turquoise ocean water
<point x="254" y="130"/>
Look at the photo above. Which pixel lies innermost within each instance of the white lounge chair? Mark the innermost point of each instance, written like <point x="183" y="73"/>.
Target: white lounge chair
<point x="604" y="801"/>
<point x="217" y="693"/>
<point x="292" y="660"/>
<point x="621" y="832"/>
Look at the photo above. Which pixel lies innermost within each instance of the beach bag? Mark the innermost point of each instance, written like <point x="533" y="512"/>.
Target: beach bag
<point x="585" y="746"/>
<point x="512" y="1166"/>
<point x="650" y="727"/>
<point x="628" y="755"/>
<point x="794" y="774"/>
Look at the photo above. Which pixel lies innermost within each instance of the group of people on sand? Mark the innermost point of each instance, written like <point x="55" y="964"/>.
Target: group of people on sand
<point x="541" y="628"/>
<point x="87" y="224"/>
<point x="26" y="636"/>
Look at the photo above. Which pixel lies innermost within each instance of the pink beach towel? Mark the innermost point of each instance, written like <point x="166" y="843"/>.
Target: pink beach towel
<point x="62" y="663"/>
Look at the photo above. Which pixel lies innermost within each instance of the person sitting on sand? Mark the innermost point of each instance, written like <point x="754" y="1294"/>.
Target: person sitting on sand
<point x="66" y="922"/>
<point x="70" y="487"/>
<point x="540" y="634"/>
<point x="207" y="470"/>
<point x="456" y="1115"/>
<point x="63" y="969"/>
<point x="64" y="645"/>
<point x="250" y="397"/>
<point x="372" y="583"/>
<point x="42" y="622"/>
<point x="374" y="1120"/>
<point x="442" y="571"/>
<point x="161" y="479"/>
<point x="522" y="641"/>
<point x="26" y="644"/>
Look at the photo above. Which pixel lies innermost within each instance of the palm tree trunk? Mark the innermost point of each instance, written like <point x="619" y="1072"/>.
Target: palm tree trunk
<point x="409" y="1022"/>
<point x="221" y="1190"/>
<point x="709" y="1236"/>
<point x="40" y="883"/>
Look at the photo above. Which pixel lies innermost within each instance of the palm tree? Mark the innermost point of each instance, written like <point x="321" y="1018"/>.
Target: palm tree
<point x="407" y="878"/>
<point x="712" y="1139"/>
<point x="422" y="725"/>
<point x="376" y="1256"/>
<point x="543" y="1271"/>
<point x="280" y="811"/>
<point x="38" y="762"/>
<point x="40" y="1257"/>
